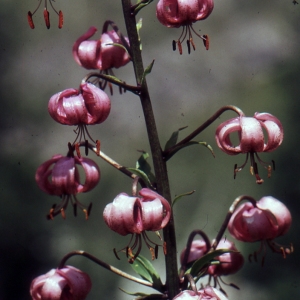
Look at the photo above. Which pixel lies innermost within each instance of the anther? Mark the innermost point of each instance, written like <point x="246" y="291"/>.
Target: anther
<point x="98" y="147"/>
<point x="30" y="20"/>
<point x="77" y="150"/>
<point x="174" y="45"/>
<point x="206" y="41"/>
<point x="179" y="47"/>
<point x="60" y="19"/>
<point x="46" y="18"/>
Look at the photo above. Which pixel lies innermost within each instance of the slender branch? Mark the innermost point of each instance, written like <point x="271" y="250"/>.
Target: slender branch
<point x="168" y="152"/>
<point x="104" y="265"/>
<point x="231" y="210"/>
<point x="114" y="80"/>
<point x="160" y="168"/>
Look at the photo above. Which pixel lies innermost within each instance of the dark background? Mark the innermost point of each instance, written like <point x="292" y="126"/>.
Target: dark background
<point x="253" y="62"/>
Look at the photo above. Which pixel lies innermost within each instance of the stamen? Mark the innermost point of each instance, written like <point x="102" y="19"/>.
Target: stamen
<point x="60" y="19"/>
<point x="77" y="150"/>
<point x="46" y="18"/>
<point x="165" y="248"/>
<point x="205" y="41"/>
<point x="153" y="256"/>
<point x="188" y="46"/>
<point x="192" y="42"/>
<point x="116" y="255"/>
<point x="110" y="88"/>
<point x="30" y="20"/>
<point x="98" y="147"/>
<point x="174" y="45"/>
<point x="62" y="211"/>
<point x="179" y="47"/>
<point x="86" y="147"/>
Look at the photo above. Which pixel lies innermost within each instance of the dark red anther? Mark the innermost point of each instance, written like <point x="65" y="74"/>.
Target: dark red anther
<point x="30" y="20"/>
<point x="60" y="19"/>
<point x="98" y="147"/>
<point x="206" y="41"/>
<point x="46" y="18"/>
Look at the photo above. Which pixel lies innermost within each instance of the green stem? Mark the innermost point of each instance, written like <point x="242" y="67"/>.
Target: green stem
<point x="160" y="168"/>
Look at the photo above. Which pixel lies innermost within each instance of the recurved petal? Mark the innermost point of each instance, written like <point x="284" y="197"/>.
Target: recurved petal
<point x="79" y="282"/>
<point x="251" y="135"/>
<point x="97" y="104"/>
<point x="273" y="128"/>
<point x="92" y="174"/>
<point x="86" y="52"/>
<point x="123" y="215"/>
<point x="223" y="136"/>
<point x="68" y="107"/>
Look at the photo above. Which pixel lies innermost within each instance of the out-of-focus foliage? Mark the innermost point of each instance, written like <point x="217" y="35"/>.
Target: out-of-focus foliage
<point x="253" y="62"/>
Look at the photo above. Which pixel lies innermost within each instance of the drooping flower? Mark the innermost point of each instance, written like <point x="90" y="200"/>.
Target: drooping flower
<point x="230" y="262"/>
<point x="265" y="221"/>
<point x="63" y="180"/>
<point x="135" y="215"/>
<point x="177" y="13"/>
<point x="100" y="54"/>
<point x="87" y="106"/>
<point x="251" y="139"/>
<point x="208" y="293"/>
<point x="61" y="284"/>
<point x="46" y="15"/>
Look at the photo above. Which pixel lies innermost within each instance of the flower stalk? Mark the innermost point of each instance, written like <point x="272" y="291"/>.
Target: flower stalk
<point x="160" y="168"/>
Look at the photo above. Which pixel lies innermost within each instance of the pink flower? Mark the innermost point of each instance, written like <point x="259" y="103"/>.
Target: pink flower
<point x="230" y="262"/>
<point x="134" y="215"/>
<point x="100" y="54"/>
<point x="198" y="249"/>
<point x="251" y="138"/>
<point x="268" y="220"/>
<point x="177" y="13"/>
<point x="88" y="105"/>
<point x="63" y="180"/>
<point x="67" y="283"/>
<point x="208" y="293"/>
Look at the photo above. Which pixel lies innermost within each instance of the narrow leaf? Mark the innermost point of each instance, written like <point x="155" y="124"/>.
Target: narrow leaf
<point x="182" y="195"/>
<point x="147" y="71"/>
<point x="174" y="138"/>
<point x="141" y="174"/>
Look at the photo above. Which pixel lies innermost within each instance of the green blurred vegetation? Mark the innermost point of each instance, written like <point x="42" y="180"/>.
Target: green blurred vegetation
<point x="253" y="62"/>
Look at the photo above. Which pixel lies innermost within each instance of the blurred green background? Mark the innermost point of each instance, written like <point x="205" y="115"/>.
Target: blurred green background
<point x="253" y="62"/>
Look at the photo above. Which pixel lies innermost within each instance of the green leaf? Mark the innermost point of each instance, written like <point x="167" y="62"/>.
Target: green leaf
<point x="145" y="269"/>
<point x="141" y="5"/>
<point x="205" y="261"/>
<point x="141" y="174"/>
<point x="147" y="71"/>
<point x="182" y="195"/>
<point x="174" y="138"/>
<point x="143" y="165"/>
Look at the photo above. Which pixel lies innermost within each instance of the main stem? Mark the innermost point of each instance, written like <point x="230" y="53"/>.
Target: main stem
<point x="160" y="168"/>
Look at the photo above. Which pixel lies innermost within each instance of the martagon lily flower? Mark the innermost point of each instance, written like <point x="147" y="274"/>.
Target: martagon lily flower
<point x="87" y="106"/>
<point x="251" y="139"/>
<point x="135" y="215"/>
<point x="264" y="221"/>
<point x="208" y="293"/>
<point x="61" y="284"/>
<point x="63" y="180"/>
<point x="177" y="13"/>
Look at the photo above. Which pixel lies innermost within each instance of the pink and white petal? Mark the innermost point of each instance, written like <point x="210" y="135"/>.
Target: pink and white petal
<point x="97" y="103"/>
<point x="223" y="136"/>
<point x="205" y="9"/>
<point x="92" y="174"/>
<point x="63" y="176"/>
<point x="79" y="282"/>
<point x="92" y="30"/>
<point x="152" y="215"/>
<point x="252" y="136"/>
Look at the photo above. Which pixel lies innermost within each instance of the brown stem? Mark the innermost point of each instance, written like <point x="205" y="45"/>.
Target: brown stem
<point x="168" y="153"/>
<point x="160" y="168"/>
